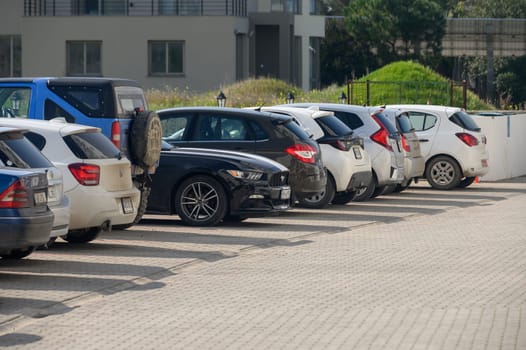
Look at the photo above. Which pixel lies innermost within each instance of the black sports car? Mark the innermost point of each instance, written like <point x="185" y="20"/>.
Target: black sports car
<point x="206" y="186"/>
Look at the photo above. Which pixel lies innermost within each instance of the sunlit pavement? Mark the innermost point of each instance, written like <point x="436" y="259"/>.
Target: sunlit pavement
<point x="422" y="269"/>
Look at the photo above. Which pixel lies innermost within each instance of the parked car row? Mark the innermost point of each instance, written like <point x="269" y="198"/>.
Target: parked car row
<point x="215" y="164"/>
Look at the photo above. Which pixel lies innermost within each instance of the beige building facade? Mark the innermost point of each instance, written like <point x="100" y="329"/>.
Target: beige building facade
<point x="198" y="45"/>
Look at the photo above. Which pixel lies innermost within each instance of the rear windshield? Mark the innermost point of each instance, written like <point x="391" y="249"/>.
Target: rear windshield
<point x="387" y="123"/>
<point x="18" y="152"/>
<point x="404" y="123"/>
<point x="333" y="126"/>
<point x="296" y="130"/>
<point x="352" y="120"/>
<point x="91" y="145"/>
<point x="465" y="121"/>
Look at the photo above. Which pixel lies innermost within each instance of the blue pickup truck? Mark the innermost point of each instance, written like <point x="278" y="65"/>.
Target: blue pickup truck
<point x="117" y="106"/>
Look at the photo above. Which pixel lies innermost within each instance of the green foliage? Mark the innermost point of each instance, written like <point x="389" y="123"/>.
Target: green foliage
<point x="411" y="82"/>
<point x="395" y="83"/>
<point x="490" y="9"/>
<point x="397" y="29"/>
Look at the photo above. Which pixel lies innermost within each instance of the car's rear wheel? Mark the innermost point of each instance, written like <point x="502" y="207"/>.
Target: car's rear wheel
<point x="341" y="198"/>
<point x="201" y="201"/>
<point x="18" y="253"/>
<point x="366" y="193"/>
<point x="82" y="236"/>
<point x="322" y="199"/>
<point x="443" y="173"/>
<point x="467" y="181"/>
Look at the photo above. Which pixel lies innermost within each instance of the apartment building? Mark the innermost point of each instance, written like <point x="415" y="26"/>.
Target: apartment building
<point x="189" y="44"/>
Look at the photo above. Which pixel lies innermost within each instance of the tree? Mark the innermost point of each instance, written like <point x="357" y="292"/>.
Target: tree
<point x="342" y="57"/>
<point x="398" y="29"/>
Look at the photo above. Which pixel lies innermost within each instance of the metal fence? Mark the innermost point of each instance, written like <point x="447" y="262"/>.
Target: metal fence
<point x="135" y="8"/>
<point x="415" y="92"/>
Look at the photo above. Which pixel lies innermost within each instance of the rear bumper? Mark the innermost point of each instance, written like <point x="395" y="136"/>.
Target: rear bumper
<point x="62" y="217"/>
<point x="475" y="164"/>
<point x="93" y="207"/>
<point x="307" y="181"/>
<point x="413" y="168"/>
<point x="359" y="180"/>
<point x="25" y="232"/>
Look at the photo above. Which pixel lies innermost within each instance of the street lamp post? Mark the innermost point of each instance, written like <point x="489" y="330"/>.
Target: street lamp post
<point x="221" y="99"/>
<point x="343" y="98"/>
<point x="290" y="98"/>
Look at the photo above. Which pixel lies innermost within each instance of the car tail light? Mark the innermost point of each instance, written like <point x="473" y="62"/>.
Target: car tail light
<point x="85" y="174"/>
<point x="381" y="136"/>
<point x="304" y="153"/>
<point x="405" y="144"/>
<point x="15" y="196"/>
<point x="342" y="145"/>
<point x="116" y="133"/>
<point x="468" y="139"/>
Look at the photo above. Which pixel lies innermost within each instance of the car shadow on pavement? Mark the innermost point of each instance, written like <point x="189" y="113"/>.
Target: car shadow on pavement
<point x="13" y="306"/>
<point x="99" y="248"/>
<point x="14" y="339"/>
<point x="31" y="282"/>
<point x="51" y="266"/>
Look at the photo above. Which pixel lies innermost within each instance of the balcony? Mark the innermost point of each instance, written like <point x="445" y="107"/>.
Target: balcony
<point x="53" y="8"/>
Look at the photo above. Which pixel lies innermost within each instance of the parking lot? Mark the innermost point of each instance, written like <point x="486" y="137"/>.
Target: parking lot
<point x="420" y="269"/>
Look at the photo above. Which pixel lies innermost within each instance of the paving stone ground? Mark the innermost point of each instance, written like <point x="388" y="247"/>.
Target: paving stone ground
<point x="417" y="270"/>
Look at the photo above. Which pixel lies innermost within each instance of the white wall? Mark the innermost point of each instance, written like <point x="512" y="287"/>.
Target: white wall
<point x="506" y="145"/>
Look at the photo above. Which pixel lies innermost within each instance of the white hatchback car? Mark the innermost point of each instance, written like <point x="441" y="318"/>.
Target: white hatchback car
<point x="381" y="140"/>
<point x="97" y="178"/>
<point x="343" y="155"/>
<point x="451" y="142"/>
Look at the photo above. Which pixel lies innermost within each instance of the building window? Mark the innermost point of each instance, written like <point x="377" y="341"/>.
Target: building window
<point x="83" y="58"/>
<point x="166" y="57"/>
<point x="10" y="56"/>
<point x="288" y="6"/>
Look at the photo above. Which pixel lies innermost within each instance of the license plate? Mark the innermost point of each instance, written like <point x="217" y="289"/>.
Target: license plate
<point x="285" y="193"/>
<point x="52" y="193"/>
<point x="40" y="197"/>
<point x="127" y="205"/>
<point x="357" y="153"/>
<point x="484" y="163"/>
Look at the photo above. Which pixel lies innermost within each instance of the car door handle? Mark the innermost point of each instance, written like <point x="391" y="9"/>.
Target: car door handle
<point x="423" y="140"/>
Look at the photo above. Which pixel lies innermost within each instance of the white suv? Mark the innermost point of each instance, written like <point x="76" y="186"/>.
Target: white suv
<point x="451" y="142"/>
<point x="97" y="177"/>
<point x="381" y="140"/>
<point x="343" y="155"/>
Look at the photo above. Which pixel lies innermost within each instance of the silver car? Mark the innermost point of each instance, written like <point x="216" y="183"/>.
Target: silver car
<point x="382" y="142"/>
<point x="414" y="162"/>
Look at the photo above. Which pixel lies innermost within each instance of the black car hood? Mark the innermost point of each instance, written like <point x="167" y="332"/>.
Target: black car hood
<point x="249" y="160"/>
